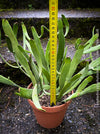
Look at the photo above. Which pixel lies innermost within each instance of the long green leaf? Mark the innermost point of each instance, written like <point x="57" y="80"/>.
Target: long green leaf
<point x="84" y="73"/>
<point x="77" y="43"/>
<point x="84" y="84"/>
<point x="47" y="53"/>
<point x="67" y="87"/>
<point x="61" y="45"/>
<point x="42" y="30"/>
<point x="90" y="89"/>
<point x="9" y="44"/>
<point x="90" y="42"/>
<point x="25" y="93"/>
<point x="93" y="30"/>
<point x="39" y="47"/>
<point x="7" y="81"/>
<point x="34" y="70"/>
<point x="46" y="74"/>
<point x="66" y="25"/>
<point x="92" y="49"/>
<point x="25" y="64"/>
<point x="23" y="52"/>
<point x="74" y="84"/>
<point x="96" y="68"/>
<point x="36" y="54"/>
<point x="35" y="98"/>
<point x="8" y="62"/>
<point x="15" y="29"/>
<point x="75" y="61"/>
<point x="64" y="72"/>
<point x="9" y="32"/>
<point x="0" y="37"/>
<point x="25" y="37"/>
<point x="65" y="52"/>
<point x="94" y="63"/>
<point x="25" y="31"/>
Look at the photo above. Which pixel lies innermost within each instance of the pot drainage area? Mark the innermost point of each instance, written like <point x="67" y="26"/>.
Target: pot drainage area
<point x="16" y="115"/>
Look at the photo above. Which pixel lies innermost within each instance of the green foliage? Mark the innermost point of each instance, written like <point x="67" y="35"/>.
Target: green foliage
<point x="39" y="72"/>
<point x="0" y="36"/>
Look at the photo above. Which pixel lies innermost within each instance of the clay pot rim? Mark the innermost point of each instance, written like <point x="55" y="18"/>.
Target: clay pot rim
<point x="49" y="109"/>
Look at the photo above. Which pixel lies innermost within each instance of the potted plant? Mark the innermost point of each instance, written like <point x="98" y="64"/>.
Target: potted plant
<point x="69" y="83"/>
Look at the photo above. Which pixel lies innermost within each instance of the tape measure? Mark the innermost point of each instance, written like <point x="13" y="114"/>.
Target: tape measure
<point x="53" y="18"/>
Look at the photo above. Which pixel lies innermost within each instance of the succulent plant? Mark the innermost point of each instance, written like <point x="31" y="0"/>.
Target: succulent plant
<point x="38" y="70"/>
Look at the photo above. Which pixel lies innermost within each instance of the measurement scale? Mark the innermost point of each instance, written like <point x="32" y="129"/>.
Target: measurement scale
<point x="53" y="18"/>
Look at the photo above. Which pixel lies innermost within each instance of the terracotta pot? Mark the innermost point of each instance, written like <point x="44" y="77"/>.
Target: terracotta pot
<point x="52" y="117"/>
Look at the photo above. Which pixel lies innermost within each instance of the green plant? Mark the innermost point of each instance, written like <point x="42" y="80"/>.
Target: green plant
<point x="0" y="37"/>
<point x="30" y="7"/>
<point x="39" y="73"/>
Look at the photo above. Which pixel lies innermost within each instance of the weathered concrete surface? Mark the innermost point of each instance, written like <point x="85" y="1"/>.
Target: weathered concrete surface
<point x="45" y="14"/>
<point x="81" y="21"/>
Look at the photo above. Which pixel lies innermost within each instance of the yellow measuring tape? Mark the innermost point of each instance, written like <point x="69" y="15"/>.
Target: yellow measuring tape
<point x="53" y="18"/>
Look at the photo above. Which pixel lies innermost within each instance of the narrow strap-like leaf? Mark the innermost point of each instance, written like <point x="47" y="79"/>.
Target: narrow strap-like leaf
<point x="39" y="47"/>
<point x="7" y="81"/>
<point x="42" y="30"/>
<point x="94" y="63"/>
<point x="84" y="73"/>
<point x="64" y="72"/>
<point x="9" y="44"/>
<point x="34" y="70"/>
<point x="21" y="58"/>
<point x="69" y="86"/>
<point x="25" y="37"/>
<point x="0" y="37"/>
<point x="75" y="61"/>
<point x="46" y="74"/>
<point x="25" y="93"/>
<point x="77" y="43"/>
<point x="90" y="42"/>
<point x="15" y="29"/>
<point x="35" y="98"/>
<point x="8" y="62"/>
<point x="65" y="52"/>
<point x="96" y="68"/>
<point x="47" y="53"/>
<point x="25" y="31"/>
<point x="66" y="25"/>
<point x="92" y="49"/>
<point x="84" y="84"/>
<point x="90" y="89"/>
<point x="36" y="54"/>
<point x="24" y="52"/>
<point x="61" y="45"/>
<point x="93" y="31"/>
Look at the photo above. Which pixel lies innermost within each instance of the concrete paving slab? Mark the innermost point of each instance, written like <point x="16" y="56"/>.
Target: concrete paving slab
<point x="45" y="14"/>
